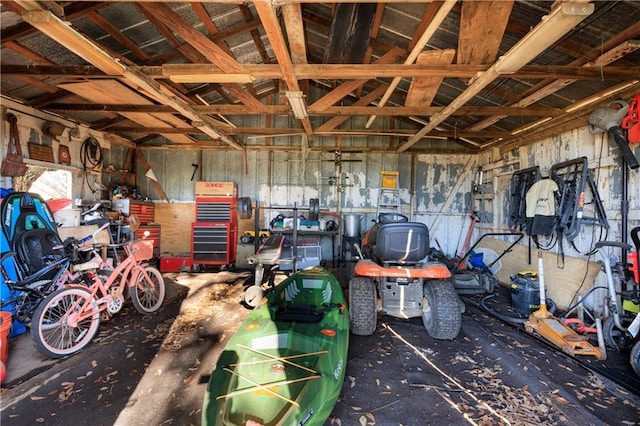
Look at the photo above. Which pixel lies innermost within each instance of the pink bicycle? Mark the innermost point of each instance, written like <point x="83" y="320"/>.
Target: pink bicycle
<point x="68" y="319"/>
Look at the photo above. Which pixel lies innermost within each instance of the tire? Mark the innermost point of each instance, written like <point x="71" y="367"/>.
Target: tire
<point x="614" y="338"/>
<point x="58" y="340"/>
<point x="635" y="358"/>
<point x="147" y="296"/>
<point x="244" y="208"/>
<point x="362" y="306"/>
<point x="314" y="209"/>
<point x="441" y="314"/>
<point x="350" y="264"/>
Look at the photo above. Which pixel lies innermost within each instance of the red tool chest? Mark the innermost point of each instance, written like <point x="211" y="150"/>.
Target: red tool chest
<point x="214" y="234"/>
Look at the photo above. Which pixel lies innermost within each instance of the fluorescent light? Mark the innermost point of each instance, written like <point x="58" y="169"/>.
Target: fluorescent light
<point x="562" y="19"/>
<point x="296" y="100"/>
<point x="552" y="27"/>
<point x="599" y="96"/>
<point x="213" y="78"/>
<point x="530" y="126"/>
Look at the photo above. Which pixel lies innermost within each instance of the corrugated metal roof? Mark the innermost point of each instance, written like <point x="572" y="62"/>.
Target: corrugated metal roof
<point x="143" y="39"/>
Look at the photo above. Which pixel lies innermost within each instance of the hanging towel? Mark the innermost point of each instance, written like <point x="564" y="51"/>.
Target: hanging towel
<point x="541" y="207"/>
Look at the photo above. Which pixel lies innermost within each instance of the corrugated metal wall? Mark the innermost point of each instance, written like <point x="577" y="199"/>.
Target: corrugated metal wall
<point x="281" y="179"/>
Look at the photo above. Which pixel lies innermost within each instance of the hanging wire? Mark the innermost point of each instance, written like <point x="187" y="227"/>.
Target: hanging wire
<point x="90" y="158"/>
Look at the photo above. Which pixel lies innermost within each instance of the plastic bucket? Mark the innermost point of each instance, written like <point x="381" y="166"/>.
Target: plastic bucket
<point x="352" y="224"/>
<point x="525" y="292"/>
<point x="5" y="328"/>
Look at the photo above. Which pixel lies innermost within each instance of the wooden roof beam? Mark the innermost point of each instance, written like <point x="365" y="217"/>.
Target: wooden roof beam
<point x="484" y="21"/>
<point x="209" y="73"/>
<point x="560" y="21"/>
<point x="541" y="93"/>
<point x="210" y="50"/>
<point x="357" y="108"/>
<point x="573" y="116"/>
<point x="274" y="33"/>
<point x="60" y="31"/>
<point x="433" y="26"/>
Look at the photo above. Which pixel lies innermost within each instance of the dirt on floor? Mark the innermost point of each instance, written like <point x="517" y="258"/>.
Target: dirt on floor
<point x="153" y="369"/>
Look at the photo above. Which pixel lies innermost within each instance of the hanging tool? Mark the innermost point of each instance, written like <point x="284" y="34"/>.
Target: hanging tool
<point x="550" y="328"/>
<point x="573" y="178"/>
<point x="195" y="169"/>
<point x="521" y="182"/>
<point x="609" y="118"/>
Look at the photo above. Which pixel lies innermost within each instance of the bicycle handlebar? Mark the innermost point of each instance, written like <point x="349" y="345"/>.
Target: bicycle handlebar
<point x="618" y="244"/>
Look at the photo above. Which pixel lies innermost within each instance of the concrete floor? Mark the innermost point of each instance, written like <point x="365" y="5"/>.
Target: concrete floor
<point x="152" y="370"/>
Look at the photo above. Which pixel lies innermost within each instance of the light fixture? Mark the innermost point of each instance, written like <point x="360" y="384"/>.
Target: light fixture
<point x="203" y="73"/>
<point x="598" y="97"/>
<point x="296" y="100"/>
<point x="213" y="78"/>
<point x="530" y="126"/>
<point x="553" y="26"/>
<point x="61" y="31"/>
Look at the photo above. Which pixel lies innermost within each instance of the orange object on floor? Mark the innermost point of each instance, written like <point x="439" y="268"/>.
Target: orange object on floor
<point x="5" y="328"/>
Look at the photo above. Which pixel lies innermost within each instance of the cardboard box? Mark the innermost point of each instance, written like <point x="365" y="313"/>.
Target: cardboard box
<point x="216" y="189"/>
<point x="67" y="217"/>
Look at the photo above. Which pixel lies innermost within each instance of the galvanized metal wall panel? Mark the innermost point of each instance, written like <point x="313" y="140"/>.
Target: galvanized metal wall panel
<point x="281" y="179"/>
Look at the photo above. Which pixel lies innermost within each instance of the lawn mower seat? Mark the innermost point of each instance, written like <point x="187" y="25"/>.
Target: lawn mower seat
<point x="402" y="243"/>
<point x="33" y="245"/>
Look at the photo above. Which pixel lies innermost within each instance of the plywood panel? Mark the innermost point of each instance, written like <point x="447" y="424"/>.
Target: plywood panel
<point x="175" y="224"/>
<point x="249" y="224"/>
<point x="423" y="90"/>
<point x="114" y="92"/>
<point x="482" y="26"/>
<point x="175" y="220"/>
<point x="80" y="232"/>
<point x="562" y="284"/>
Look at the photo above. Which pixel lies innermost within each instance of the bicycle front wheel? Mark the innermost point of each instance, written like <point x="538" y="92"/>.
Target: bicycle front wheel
<point x="147" y="294"/>
<point x="53" y="330"/>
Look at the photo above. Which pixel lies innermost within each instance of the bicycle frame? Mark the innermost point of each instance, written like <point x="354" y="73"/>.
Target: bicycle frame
<point x="30" y="290"/>
<point x="126" y="273"/>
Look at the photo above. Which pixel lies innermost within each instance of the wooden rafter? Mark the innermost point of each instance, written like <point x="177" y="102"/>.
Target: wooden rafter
<point x="560" y="21"/>
<point x="203" y="73"/>
<point x="276" y="37"/>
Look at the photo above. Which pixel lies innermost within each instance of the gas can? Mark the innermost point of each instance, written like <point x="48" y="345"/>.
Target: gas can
<point x="525" y="292"/>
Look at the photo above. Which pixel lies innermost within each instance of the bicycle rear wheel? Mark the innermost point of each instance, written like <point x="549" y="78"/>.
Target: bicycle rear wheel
<point x="51" y="332"/>
<point x="147" y="295"/>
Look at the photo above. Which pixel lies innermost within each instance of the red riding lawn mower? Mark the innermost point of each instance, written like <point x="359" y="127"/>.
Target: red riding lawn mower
<point x="394" y="263"/>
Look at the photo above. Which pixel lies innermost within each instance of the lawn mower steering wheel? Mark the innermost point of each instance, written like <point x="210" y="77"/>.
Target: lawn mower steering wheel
<point x="392" y="217"/>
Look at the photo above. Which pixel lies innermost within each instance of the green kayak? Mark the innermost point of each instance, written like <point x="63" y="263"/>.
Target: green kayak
<point x="285" y="365"/>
